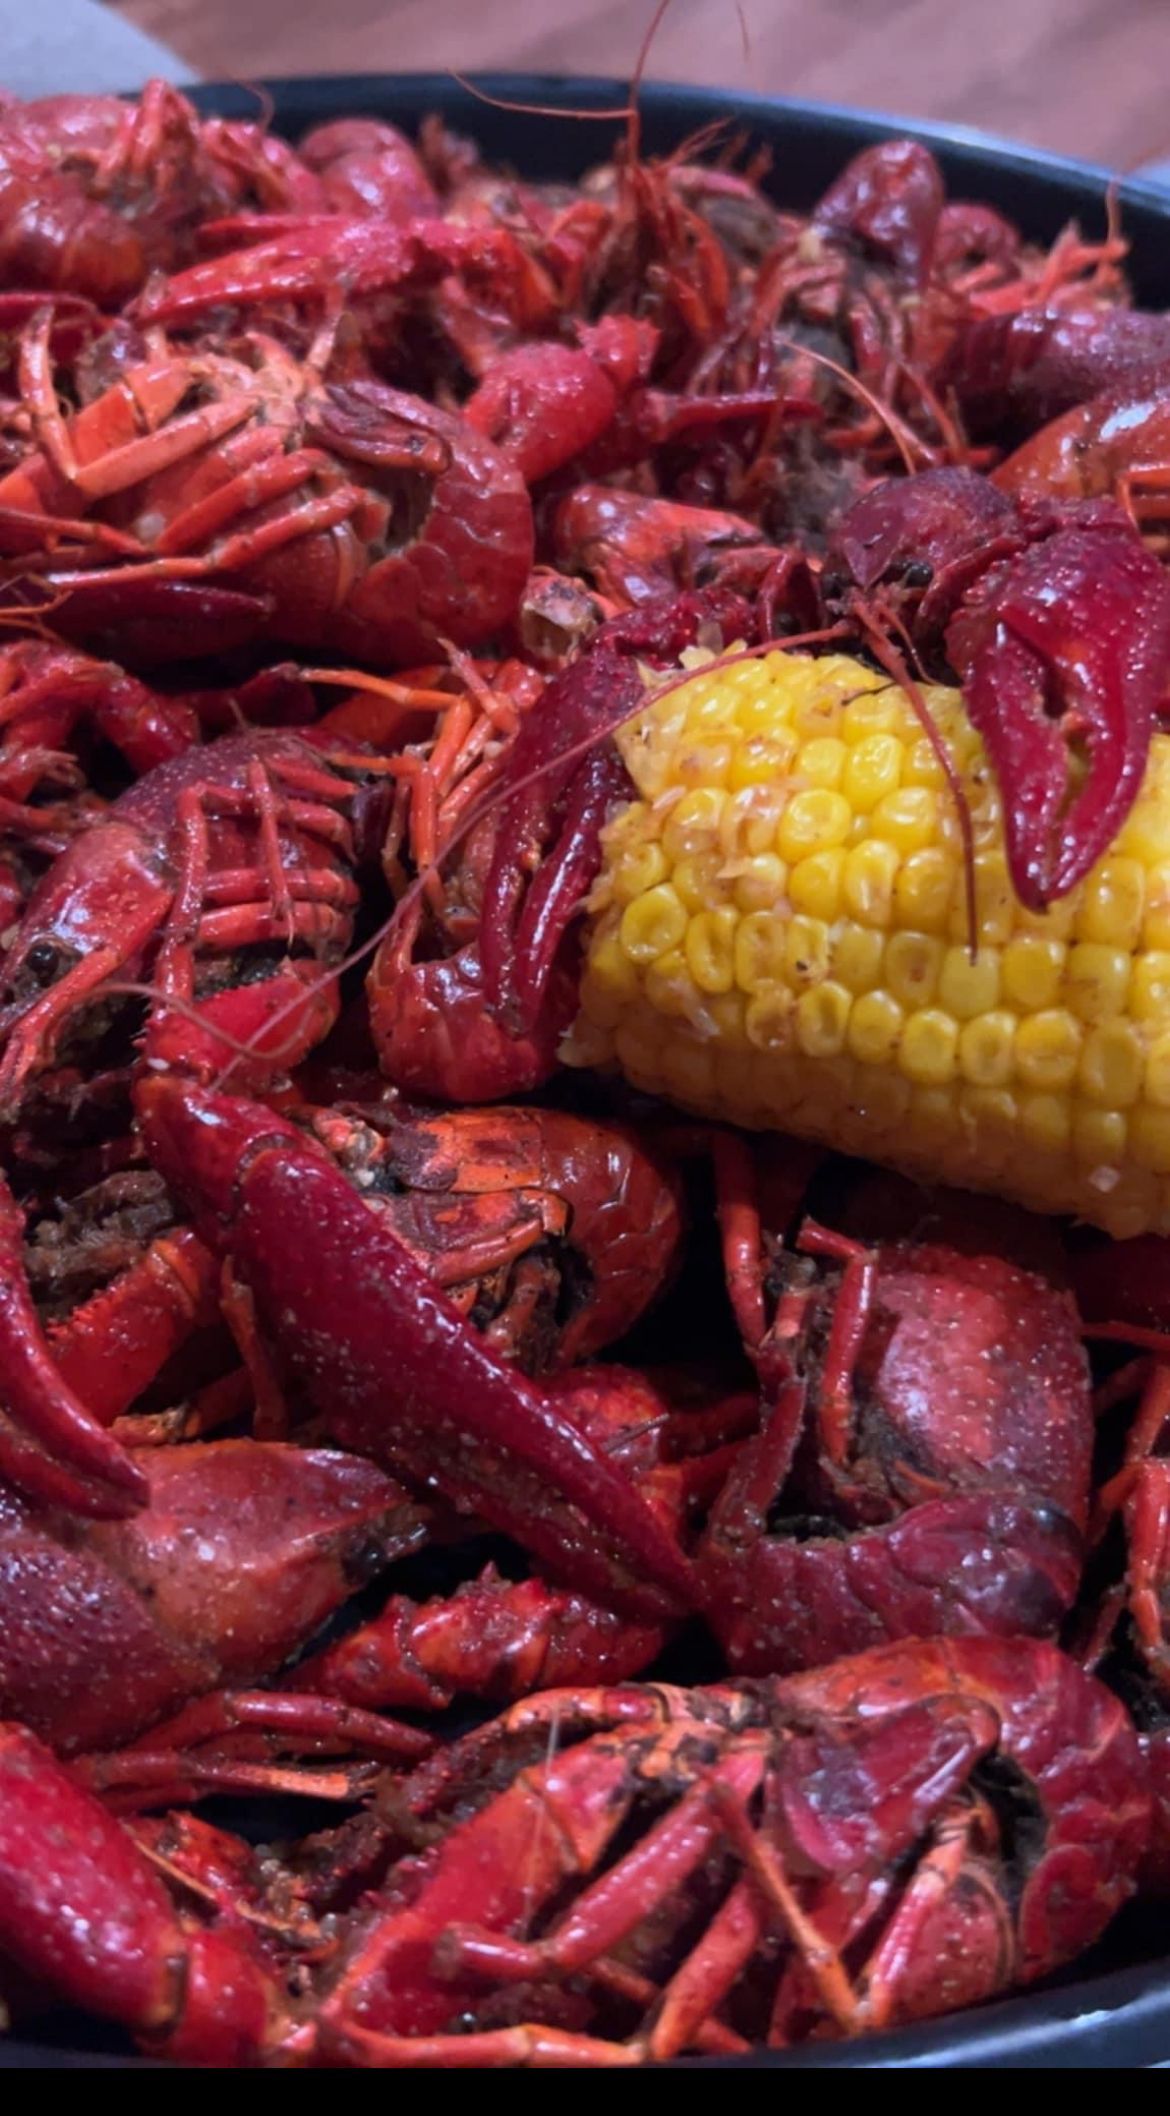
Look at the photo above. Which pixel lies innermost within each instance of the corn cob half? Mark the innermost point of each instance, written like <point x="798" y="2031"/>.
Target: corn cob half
<point x="779" y="937"/>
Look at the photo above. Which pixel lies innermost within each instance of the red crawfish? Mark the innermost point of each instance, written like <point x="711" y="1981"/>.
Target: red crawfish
<point x="1112" y="446"/>
<point x="96" y="192"/>
<point x="486" y="1018"/>
<point x="553" y="1233"/>
<point x="191" y="878"/>
<point x="400" y="1373"/>
<point x="232" y="847"/>
<point x="825" y="1854"/>
<point x="924" y="1454"/>
<point x="1055" y="620"/>
<point x="231" y="484"/>
<point x="141" y="1644"/>
<point x="1020" y="369"/>
<point x="242" y="1551"/>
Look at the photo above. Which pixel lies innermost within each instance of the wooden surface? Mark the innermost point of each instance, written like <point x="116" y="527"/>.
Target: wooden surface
<point x="1086" y="77"/>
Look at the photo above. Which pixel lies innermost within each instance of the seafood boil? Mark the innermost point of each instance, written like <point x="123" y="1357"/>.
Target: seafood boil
<point x="584" y="1096"/>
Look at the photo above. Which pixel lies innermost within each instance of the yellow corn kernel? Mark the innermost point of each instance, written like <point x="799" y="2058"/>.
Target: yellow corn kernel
<point x="1112" y="901"/>
<point x="867" y="885"/>
<point x="1156" y="923"/>
<point x="1145" y="833"/>
<point x="968" y="987"/>
<point x="693" y="824"/>
<point x="871" y="713"/>
<point x="758" y="884"/>
<point x="871" y="770"/>
<point x="637" y="1047"/>
<point x="688" y="1071"/>
<point x="814" y="884"/>
<point x="669" y="986"/>
<point x="1112" y="1065"/>
<point x="933" y="1117"/>
<point x="1030" y="971"/>
<point x="921" y="767"/>
<point x="928" y="1052"/>
<point x="1096" y="981"/>
<point x="822" y="1020"/>
<point x="1098" y="1137"/>
<point x="1158" y="1072"/>
<point x="822" y="762"/>
<point x="875" y="1028"/>
<point x="698" y="880"/>
<point x="987" y="1049"/>
<point x="992" y="1115"/>
<point x="749" y="821"/>
<point x="1048" y="1049"/>
<point x="652" y="924"/>
<point x="1148" y="1138"/>
<point x="1045" y="1122"/>
<point x="912" y="965"/>
<point x="760" y="762"/>
<point x="706" y="764"/>
<point x="881" y="1097"/>
<point x="806" y="955"/>
<point x="610" y="982"/>
<point x="761" y="945"/>
<point x="1149" y="990"/>
<point x="856" y="956"/>
<point x="813" y="821"/>
<point x="908" y="819"/>
<point x="639" y="869"/>
<point x="767" y="1021"/>
<point x="924" y="889"/>
<point x="997" y="910"/>
<point x="710" y="950"/>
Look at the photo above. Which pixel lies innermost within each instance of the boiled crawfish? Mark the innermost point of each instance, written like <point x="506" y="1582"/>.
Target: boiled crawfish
<point x="748" y="1795"/>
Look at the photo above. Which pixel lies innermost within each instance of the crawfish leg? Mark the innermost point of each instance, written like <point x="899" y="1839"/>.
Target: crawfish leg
<point x="613" y="1906"/>
<point x="115" y="1343"/>
<point x="529" y="2044"/>
<point x="50" y="1445"/>
<point x="909" y="1952"/>
<point x="707" y="1975"/>
<point x="493" y="1638"/>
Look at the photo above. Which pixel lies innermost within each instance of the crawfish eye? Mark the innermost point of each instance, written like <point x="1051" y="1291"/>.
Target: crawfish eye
<point x="43" y="961"/>
<point x="919" y="573"/>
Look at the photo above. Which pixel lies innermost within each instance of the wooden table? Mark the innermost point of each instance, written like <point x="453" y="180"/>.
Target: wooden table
<point x="1086" y="77"/>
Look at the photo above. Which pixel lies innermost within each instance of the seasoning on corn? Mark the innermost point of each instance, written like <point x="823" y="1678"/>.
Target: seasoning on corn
<point x="779" y="937"/>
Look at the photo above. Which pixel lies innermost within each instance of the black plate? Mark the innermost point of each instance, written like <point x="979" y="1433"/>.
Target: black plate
<point x="1121" y="2015"/>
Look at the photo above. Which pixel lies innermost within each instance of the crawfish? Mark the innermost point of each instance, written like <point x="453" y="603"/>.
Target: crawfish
<point x="96" y="192"/>
<point x="240" y="845"/>
<point x="445" y="1025"/>
<point x="407" y="1377"/>
<point x="146" y="1639"/>
<point x="555" y="1232"/>
<point x="1114" y="446"/>
<point x="346" y="516"/>
<point x="849" y="1831"/>
<point x="890" y="1492"/>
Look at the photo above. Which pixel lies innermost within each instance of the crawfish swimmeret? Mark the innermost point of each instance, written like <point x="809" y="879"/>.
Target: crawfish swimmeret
<point x="475" y="1098"/>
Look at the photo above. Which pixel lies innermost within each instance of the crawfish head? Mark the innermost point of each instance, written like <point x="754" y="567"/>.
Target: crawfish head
<point x="887" y="203"/>
<point x="1056" y="620"/>
<point x="565" y="773"/>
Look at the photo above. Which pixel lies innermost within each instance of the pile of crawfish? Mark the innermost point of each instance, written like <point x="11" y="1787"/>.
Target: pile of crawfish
<point x="789" y="1661"/>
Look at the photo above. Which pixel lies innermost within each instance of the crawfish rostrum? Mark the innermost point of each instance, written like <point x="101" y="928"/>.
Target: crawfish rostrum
<point x="585" y="1166"/>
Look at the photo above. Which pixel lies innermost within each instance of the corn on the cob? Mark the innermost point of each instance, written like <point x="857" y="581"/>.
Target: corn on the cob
<point x="779" y="937"/>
